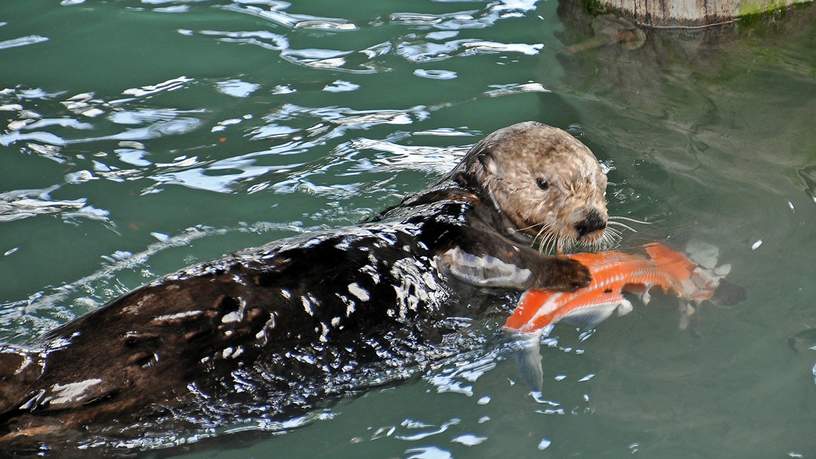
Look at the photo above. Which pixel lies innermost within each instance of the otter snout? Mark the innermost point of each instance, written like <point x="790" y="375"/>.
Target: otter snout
<point x="593" y="221"/>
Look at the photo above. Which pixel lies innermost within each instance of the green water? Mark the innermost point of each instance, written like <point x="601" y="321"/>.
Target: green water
<point x="139" y="137"/>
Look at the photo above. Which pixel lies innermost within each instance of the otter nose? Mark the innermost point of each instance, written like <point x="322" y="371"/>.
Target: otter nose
<point x="592" y="222"/>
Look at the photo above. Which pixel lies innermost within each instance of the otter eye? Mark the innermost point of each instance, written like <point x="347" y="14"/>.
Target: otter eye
<point x="543" y="184"/>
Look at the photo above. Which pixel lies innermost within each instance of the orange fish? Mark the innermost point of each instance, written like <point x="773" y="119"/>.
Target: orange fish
<point x="612" y="274"/>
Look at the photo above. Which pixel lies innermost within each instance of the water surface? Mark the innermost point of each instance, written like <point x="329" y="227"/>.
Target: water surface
<point x="137" y="137"/>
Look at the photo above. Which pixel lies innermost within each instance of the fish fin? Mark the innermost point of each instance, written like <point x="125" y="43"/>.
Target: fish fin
<point x="591" y="316"/>
<point x="686" y="311"/>
<point x="646" y="296"/>
<point x="722" y="270"/>
<point x="703" y="253"/>
<point x="528" y="358"/>
<point x="625" y="307"/>
<point x="670" y="261"/>
<point x="640" y="291"/>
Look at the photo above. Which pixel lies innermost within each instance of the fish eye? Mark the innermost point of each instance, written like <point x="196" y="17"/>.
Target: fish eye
<point x="542" y="183"/>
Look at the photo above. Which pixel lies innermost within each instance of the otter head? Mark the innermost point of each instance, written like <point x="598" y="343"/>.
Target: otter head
<point x="547" y="184"/>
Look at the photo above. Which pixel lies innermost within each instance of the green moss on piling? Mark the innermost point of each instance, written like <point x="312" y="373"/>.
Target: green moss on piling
<point x="595" y="7"/>
<point x="753" y="12"/>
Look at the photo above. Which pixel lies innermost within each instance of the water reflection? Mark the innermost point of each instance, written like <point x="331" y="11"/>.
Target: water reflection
<point x="402" y="157"/>
<point x="277" y="14"/>
<point x="21" y="318"/>
<point x="286" y="123"/>
<point x="22" y="41"/>
<point x="435" y="74"/>
<point x="468" y="19"/>
<point x="423" y="51"/>
<point x="264" y="39"/>
<point x="22" y="204"/>
<point x="306" y="116"/>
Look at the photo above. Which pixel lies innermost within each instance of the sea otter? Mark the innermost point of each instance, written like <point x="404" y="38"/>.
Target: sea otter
<point x="275" y="329"/>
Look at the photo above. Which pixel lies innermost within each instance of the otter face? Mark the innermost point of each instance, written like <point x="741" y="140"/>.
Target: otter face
<point x="548" y="184"/>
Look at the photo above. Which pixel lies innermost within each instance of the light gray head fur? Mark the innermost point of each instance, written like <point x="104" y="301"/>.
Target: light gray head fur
<point x="512" y="166"/>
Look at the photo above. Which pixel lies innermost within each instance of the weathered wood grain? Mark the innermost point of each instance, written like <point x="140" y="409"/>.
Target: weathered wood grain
<point x="693" y="12"/>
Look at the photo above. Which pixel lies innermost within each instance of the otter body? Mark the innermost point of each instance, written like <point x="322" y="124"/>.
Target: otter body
<point x="273" y="330"/>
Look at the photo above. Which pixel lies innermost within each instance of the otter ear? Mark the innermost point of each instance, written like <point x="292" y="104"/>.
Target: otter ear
<point x="486" y="160"/>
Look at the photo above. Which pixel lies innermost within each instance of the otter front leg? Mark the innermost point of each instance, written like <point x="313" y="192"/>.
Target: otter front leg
<point x="523" y="271"/>
<point x="482" y="271"/>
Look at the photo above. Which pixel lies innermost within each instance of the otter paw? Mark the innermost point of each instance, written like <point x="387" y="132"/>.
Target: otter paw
<point x="565" y="274"/>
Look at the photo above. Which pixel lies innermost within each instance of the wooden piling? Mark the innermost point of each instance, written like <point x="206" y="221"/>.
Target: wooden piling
<point x="688" y="13"/>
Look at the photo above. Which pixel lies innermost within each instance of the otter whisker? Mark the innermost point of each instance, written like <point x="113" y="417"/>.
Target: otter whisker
<point x="633" y="220"/>
<point x="540" y="241"/>
<point x="609" y="238"/>
<point x="601" y="243"/>
<point x="540" y="232"/>
<point x="622" y="225"/>
<point x="564" y="245"/>
<point x="550" y="247"/>
<point x="596" y="244"/>
<point x="546" y="243"/>
<point x="613" y="230"/>
<point x="557" y="247"/>
<point x="531" y="226"/>
<point x="558" y="244"/>
<point x="612" y="237"/>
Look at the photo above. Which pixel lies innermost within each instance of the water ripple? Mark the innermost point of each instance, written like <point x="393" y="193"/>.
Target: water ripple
<point x="262" y="38"/>
<point x="367" y="60"/>
<point x="401" y="157"/>
<point x="39" y="306"/>
<point x="459" y="377"/>
<point x="471" y="19"/>
<point x="277" y="15"/>
<point x="325" y="112"/>
<point x="359" y="62"/>
<point x="340" y="86"/>
<point x="427" y="452"/>
<point x="149" y="90"/>
<point x="342" y="118"/>
<point x="23" y="41"/>
<point x="498" y="90"/>
<point x="423" y="51"/>
<point x="435" y="74"/>
<point x="21" y="204"/>
<point x="427" y="430"/>
<point x="469" y="440"/>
